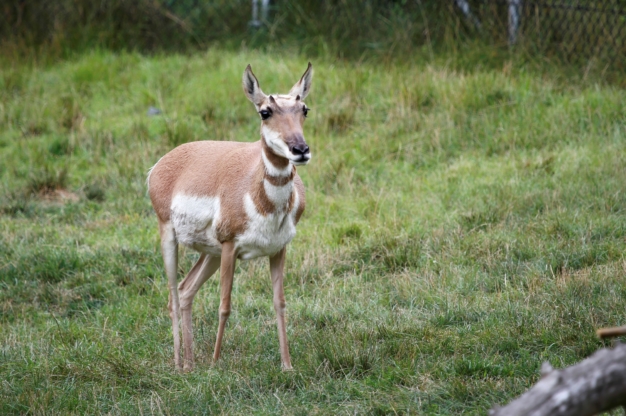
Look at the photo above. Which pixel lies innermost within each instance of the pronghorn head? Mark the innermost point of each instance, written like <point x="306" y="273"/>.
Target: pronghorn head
<point x="282" y="116"/>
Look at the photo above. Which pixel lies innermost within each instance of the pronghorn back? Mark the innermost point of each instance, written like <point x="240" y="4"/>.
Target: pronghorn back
<point x="195" y="168"/>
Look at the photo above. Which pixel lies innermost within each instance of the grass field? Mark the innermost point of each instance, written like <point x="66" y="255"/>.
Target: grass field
<point x="461" y="228"/>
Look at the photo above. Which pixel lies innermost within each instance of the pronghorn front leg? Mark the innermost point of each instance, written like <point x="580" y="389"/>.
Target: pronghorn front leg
<point x="169" y="249"/>
<point x="277" y="265"/>
<point x="227" y="271"/>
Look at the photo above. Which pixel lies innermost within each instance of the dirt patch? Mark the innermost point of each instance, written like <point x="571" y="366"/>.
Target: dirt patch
<point x="59" y="196"/>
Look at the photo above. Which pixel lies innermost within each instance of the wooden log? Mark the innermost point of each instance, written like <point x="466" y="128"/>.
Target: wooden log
<point x="594" y="385"/>
<point x="611" y="332"/>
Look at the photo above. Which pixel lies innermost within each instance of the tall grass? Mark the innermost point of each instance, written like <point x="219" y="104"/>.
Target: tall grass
<point x="461" y="228"/>
<point x="65" y="26"/>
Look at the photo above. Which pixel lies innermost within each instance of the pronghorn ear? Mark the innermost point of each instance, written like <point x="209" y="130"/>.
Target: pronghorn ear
<point x="251" y="88"/>
<point x="303" y="86"/>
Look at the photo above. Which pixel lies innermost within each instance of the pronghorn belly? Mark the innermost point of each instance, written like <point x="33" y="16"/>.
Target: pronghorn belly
<point x="265" y="235"/>
<point x="194" y="219"/>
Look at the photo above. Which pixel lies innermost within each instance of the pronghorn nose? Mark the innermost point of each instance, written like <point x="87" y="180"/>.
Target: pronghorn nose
<point x="300" y="149"/>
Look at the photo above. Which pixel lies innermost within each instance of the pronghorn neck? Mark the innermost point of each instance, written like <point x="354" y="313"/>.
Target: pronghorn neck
<point x="274" y="193"/>
<point x="275" y="165"/>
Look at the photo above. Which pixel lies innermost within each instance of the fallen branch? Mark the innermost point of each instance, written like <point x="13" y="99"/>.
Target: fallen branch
<point x="594" y="385"/>
<point x="611" y="332"/>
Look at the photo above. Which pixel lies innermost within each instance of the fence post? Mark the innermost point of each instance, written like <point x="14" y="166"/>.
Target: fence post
<point x="465" y="8"/>
<point x="514" y="20"/>
<point x="265" y="5"/>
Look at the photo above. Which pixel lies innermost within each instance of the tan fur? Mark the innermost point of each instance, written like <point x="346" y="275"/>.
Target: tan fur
<point x="205" y="168"/>
<point x="219" y="177"/>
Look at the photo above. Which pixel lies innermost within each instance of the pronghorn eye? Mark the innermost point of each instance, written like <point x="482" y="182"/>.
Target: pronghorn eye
<point x="306" y="111"/>
<point x="265" y="114"/>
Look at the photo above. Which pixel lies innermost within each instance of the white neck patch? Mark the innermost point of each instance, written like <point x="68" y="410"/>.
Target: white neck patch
<point x="273" y="170"/>
<point x="275" y="142"/>
<point x="279" y="195"/>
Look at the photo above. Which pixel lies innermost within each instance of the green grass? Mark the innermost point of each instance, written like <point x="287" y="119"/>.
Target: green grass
<point x="461" y="228"/>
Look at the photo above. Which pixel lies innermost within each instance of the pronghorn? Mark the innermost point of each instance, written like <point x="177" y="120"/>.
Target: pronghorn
<point x="229" y="201"/>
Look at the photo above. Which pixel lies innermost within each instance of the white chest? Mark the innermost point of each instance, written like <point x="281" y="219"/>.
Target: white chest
<point x="266" y="235"/>
<point x="195" y="220"/>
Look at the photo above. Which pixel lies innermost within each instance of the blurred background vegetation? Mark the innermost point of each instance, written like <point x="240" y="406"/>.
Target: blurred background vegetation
<point x="563" y="31"/>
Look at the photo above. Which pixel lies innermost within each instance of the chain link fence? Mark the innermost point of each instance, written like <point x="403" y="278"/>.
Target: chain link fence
<point x="573" y="30"/>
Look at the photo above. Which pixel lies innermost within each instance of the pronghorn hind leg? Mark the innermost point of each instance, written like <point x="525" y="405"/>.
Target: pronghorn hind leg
<point x="227" y="271"/>
<point x="169" y="250"/>
<point x="199" y="273"/>
<point x="277" y="266"/>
